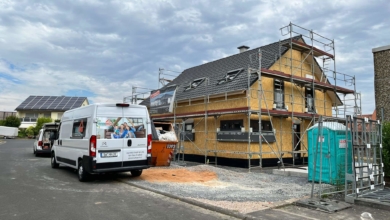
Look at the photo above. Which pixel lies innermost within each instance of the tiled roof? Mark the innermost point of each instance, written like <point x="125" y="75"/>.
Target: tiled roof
<point x="51" y="103"/>
<point x="216" y="70"/>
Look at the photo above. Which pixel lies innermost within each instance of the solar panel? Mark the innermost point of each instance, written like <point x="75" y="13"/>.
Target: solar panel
<point x="49" y="100"/>
<point x="61" y="103"/>
<point x="65" y="103"/>
<point x="75" y="102"/>
<point x="33" y="102"/>
<point x="60" y="100"/>
<point x="25" y="102"/>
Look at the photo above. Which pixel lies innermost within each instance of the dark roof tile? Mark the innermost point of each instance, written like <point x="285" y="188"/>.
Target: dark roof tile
<point x="216" y="70"/>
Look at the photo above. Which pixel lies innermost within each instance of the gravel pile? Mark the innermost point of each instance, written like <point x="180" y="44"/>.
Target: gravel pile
<point x="235" y="189"/>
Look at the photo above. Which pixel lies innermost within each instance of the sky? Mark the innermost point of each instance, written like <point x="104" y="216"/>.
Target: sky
<point x="104" y="49"/>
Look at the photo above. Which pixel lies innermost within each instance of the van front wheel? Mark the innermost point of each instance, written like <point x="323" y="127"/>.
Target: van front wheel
<point x="81" y="173"/>
<point x="136" y="173"/>
<point x="54" y="163"/>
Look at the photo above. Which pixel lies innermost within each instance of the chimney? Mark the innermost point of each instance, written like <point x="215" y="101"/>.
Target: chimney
<point x="243" y="48"/>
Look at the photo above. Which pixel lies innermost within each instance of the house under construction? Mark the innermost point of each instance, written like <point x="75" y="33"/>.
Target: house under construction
<point x="254" y="108"/>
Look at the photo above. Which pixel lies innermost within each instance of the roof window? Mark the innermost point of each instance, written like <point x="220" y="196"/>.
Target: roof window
<point x="230" y="76"/>
<point x="194" y="84"/>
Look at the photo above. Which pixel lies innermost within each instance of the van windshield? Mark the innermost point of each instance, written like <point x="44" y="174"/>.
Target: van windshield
<point x="120" y="127"/>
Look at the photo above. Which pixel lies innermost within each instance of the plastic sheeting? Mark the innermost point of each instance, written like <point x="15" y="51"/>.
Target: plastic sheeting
<point x="167" y="136"/>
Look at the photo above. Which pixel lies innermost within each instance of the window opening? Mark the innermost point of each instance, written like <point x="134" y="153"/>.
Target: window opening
<point x="194" y="84"/>
<point x="309" y="97"/>
<point x="265" y="125"/>
<point x="231" y="125"/>
<point x="230" y="76"/>
<point x="279" y="94"/>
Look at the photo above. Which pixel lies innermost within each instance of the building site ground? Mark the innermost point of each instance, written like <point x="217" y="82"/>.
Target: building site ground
<point x="235" y="191"/>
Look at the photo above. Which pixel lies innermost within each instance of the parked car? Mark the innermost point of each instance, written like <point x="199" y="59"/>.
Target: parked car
<point x="93" y="139"/>
<point x="45" y="138"/>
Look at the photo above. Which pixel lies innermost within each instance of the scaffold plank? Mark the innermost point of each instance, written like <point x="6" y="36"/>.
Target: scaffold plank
<point x="296" y="45"/>
<point x="302" y="81"/>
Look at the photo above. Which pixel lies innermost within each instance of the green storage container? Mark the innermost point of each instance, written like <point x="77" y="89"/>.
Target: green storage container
<point x="334" y="143"/>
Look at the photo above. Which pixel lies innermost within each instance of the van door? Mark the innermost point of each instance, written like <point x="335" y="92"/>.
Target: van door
<point x="109" y="143"/>
<point x="135" y="144"/>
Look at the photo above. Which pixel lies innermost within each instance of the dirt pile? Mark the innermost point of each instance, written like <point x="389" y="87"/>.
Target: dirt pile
<point x="177" y="175"/>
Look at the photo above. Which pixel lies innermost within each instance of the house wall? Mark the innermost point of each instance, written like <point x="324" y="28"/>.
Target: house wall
<point x="283" y="126"/>
<point x="85" y="103"/>
<point x="207" y="140"/>
<point x="381" y="85"/>
<point x="229" y="101"/>
<point x="294" y="97"/>
<point x="39" y="114"/>
<point x="25" y="123"/>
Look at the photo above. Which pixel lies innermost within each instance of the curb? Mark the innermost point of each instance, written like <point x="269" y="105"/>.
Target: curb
<point x="372" y="204"/>
<point x="194" y="202"/>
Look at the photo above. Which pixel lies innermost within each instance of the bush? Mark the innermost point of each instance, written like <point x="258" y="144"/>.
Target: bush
<point x="40" y="123"/>
<point x="12" y="121"/>
<point x="2" y="122"/>
<point x="386" y="147"/>
<point x="30" y="131"/>
<point x="22" y="133"/>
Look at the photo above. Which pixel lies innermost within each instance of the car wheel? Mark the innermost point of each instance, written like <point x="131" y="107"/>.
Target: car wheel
<point x="136" y="173"/>
<point x="54" y="163"/>
<point x="34" y="150"/>
<point x="81" y="173"/>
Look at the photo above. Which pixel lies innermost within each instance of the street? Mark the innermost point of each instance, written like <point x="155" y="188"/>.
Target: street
<point x="31" y="189"/>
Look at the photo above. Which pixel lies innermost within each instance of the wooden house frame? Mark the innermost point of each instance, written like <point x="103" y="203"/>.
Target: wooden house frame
<point x="252" y="109"/>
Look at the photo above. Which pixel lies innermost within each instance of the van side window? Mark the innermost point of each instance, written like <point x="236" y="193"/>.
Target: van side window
<point x="79" y="128"/>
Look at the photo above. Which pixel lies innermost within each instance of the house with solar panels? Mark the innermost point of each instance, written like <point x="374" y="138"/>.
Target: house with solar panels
<point x="53" y="107"/>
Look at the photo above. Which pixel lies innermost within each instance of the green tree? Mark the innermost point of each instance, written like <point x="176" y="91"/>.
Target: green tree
<point x="386" y="147"/>
<point x="40" y="122"/>
<point x="12" y="121"/>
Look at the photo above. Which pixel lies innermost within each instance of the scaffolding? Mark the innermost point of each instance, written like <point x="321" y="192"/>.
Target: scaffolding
<point x="367" y="174"/>
<point x="304" y="74"/>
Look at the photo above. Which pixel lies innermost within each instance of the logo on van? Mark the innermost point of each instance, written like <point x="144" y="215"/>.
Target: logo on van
<point x="104" y="143"/>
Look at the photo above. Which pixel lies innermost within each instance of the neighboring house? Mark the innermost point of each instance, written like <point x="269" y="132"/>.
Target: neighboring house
<point x="370" y="116"/>
<point x="4" y="114"/>
<point x="217" y="104"/>
<point x="53" y="107"/>
<point x="381" y="82"/>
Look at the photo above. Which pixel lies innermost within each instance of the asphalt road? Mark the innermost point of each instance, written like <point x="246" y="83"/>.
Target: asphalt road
<point x="31" y="189"/>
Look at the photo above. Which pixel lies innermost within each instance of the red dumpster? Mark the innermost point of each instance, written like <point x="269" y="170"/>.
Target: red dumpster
<point x="162" y="150"/>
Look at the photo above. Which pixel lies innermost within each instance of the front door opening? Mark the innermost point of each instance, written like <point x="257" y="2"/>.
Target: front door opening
<point x="296" y="138"/>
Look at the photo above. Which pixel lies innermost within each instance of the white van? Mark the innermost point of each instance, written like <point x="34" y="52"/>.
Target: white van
<point x="90" y="141"/>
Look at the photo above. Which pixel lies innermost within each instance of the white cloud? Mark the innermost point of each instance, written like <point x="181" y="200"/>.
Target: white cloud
<point x="106" y="47"/>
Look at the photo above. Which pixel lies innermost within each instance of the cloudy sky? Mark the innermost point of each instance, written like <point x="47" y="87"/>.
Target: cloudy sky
<point x="101" y="48"/>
